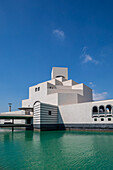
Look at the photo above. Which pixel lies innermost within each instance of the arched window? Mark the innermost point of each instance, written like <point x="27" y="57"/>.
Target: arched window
<point x="101" y="110"/>
<point x="108" y="109"/>
<point x="95" y="110"/>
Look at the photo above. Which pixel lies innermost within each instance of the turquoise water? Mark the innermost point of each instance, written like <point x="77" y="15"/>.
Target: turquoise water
<point x="56" y="150"/>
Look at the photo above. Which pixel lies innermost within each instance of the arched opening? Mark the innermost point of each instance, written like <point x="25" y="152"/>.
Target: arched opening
<point x="108" y="109"/>
<point x="36" y="102"/>
<point x="101" y="110"/>
<point x="95" y="110"/>
<point x="60" y="76"/>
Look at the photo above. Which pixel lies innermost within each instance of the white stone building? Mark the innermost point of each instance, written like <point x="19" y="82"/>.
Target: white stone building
<point x="64" y="104"/>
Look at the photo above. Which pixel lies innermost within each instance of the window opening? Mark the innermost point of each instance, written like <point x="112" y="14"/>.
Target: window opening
<point x="102" y="119"/>
<point x="109" y="119"/>
<point x="95" y="119"/>
<point x="49" y="112"/>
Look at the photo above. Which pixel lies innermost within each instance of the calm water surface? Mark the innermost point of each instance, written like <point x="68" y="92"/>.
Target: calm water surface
<point x="56" y="150"/>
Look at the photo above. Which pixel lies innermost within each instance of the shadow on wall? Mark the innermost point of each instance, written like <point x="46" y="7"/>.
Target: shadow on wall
<point x="61" y="125"/>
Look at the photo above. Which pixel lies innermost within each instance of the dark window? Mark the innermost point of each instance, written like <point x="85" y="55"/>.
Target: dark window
<point x="109" y="119"/>
<point x="49" y="112"/>
<point x="95" y="119"/>
<point x="7" y="119"/>
<point x="95" y="110"/>
<point x="37" y="89"/>
<point x="51" y="87"/>
<point x="102" y="119"/>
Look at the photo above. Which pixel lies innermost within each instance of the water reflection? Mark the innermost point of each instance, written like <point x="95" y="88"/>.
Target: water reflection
<point x="56" y="150"/>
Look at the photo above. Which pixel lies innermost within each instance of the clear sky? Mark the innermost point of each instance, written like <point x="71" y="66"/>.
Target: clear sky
<point x="36" y="35"/>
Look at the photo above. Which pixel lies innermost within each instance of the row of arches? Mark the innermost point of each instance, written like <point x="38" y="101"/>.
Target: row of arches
<point x="102" y="110"/>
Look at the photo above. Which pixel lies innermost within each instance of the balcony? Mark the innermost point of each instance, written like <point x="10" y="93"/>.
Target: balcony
<point x="109" y="114"/>
<point x="95" y="114"/>
<point x="102" y="114"/>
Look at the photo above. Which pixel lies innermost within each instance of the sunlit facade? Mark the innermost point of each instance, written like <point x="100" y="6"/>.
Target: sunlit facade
<point x="61" y="103"/>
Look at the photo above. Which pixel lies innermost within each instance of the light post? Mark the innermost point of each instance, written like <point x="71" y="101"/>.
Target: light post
<point x="9" y="106"/>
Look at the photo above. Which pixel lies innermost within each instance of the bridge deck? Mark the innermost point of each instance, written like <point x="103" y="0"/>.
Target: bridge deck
<point x="15" y="125"/>
<point x="4" y="116"/>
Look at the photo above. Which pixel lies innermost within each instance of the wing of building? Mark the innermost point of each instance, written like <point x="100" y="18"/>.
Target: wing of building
<point x="64" y="104"/>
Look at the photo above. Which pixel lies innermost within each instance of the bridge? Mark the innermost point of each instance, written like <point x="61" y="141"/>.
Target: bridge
<point x="28" y="119"/>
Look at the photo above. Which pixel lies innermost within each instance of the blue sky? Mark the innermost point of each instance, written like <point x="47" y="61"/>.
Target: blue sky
<point x="36" y="35"/>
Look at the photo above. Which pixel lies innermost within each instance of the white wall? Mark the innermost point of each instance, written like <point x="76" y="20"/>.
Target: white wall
<point x="36" y="96"/>
<point x="67" y="98"/>
<point x="69" y="83"/>
<point x="59" y="71"/>
<point x="82" y="113"/>
<point x="87" y="95"/>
